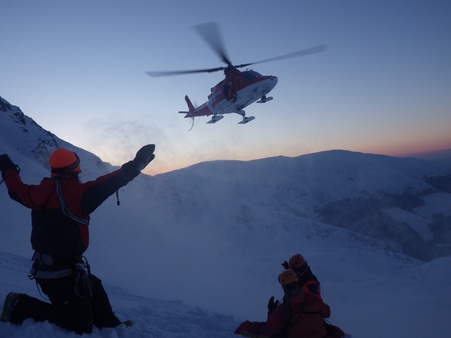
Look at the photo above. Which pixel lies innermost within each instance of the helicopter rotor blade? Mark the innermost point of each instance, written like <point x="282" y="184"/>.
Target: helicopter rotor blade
<point x="313" y="50"/>
<point x="211" y="34"/>
<point x="181" y="72"/>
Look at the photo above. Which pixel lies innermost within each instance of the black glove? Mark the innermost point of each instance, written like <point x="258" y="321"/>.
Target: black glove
<point x="286" y="265"/>
<point x="143" y="157"/>
<point x="272" y="305"/>
<point x="6" y="163"/>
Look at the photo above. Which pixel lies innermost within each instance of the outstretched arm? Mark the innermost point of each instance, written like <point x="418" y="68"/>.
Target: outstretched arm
<point x="100" y="189"/>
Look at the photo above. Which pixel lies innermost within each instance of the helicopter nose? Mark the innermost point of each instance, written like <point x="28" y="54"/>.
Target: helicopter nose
<point x="273" y="81"/>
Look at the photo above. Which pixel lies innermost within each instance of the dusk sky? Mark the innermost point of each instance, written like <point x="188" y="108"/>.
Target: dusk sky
<point x="78" y="68"/>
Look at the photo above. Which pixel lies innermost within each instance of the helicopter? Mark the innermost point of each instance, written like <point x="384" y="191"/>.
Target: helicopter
<point x="238" y="89"/>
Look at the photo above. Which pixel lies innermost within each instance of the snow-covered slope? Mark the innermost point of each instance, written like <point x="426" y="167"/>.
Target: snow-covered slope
<point x="214" y="235"/>
<point x="351" y="190"/>
<point x="151" y="317"/>
<point x="372" y="294"/>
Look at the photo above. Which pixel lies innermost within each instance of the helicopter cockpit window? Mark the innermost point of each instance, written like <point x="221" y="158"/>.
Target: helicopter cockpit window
<point x="250" y="75"/>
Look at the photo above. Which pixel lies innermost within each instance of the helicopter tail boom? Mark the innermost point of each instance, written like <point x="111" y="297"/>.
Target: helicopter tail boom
<point x="190" y="111"/>
<point x="202" y="110"/>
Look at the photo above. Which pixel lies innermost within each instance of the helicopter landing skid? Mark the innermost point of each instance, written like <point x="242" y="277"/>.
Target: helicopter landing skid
<point x="265" y="99"/>
<point x="247" y="120"/>
<point x="216" y="118"/>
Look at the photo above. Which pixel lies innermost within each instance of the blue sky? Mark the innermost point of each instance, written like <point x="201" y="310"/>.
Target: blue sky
<point x="383" y="85"/>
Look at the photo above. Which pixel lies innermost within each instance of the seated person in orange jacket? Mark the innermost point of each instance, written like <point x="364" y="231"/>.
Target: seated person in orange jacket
<point x="306" y="279"/>
<point x="300" y="315"/>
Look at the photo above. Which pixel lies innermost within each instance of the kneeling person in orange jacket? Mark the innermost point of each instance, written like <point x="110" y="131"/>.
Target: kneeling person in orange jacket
<point x="60" y="208"/>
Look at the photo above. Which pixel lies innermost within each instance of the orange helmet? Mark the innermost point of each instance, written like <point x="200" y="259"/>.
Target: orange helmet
<point x="296" y="261"/>
<point x="64" y="161"/>
<point x="287" y="277"/>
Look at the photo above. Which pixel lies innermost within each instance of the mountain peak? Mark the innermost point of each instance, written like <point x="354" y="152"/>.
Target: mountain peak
<point x="22" y="136"/>
<point x="4" y="105"/>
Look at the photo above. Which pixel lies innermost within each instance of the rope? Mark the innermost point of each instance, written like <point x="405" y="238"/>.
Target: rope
<point x="64" y="207"/>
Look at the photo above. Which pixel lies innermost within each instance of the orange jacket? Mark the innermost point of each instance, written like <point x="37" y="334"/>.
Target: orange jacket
<point x="299" y="316"/>
<point x="52" y="231"/>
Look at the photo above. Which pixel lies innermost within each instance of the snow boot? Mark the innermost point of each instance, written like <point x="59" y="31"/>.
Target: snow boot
<point x="10" y="303"/>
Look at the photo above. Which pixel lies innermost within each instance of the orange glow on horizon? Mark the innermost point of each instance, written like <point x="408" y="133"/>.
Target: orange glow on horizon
<point x="401" y="149"/>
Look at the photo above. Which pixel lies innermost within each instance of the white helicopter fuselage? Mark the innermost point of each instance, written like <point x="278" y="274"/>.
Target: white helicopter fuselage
<point x="248" y="94"/>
